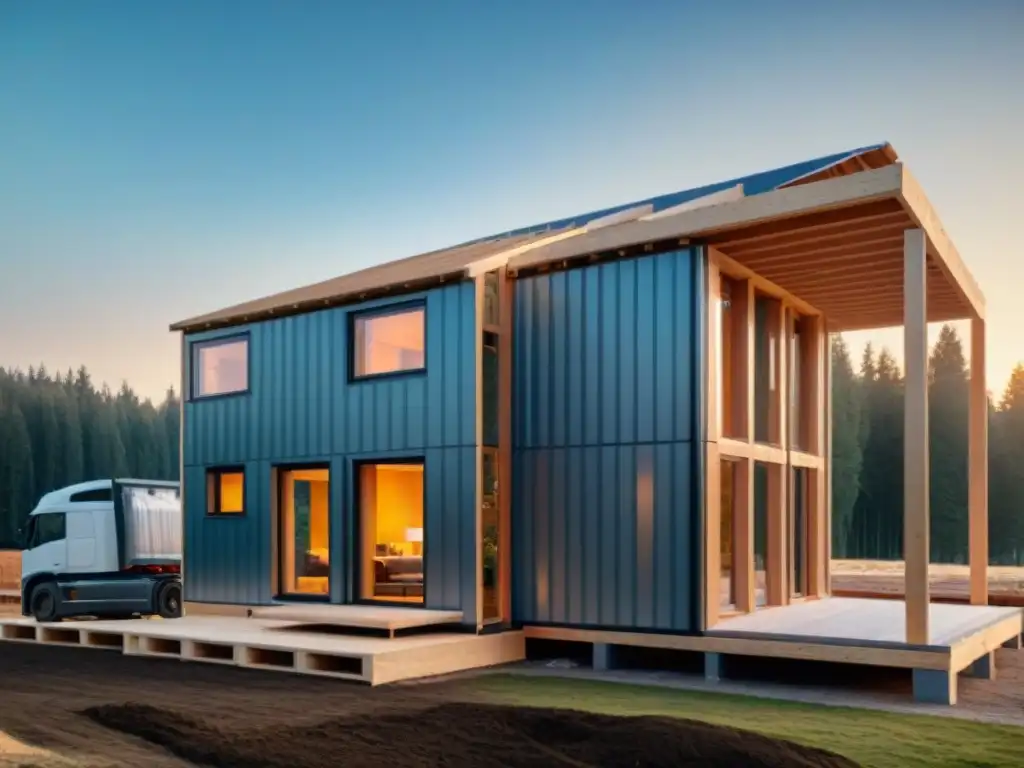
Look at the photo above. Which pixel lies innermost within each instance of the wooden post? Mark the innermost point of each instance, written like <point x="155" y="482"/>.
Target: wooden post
<point x="743" y="504"/>
<point x="978" y="467"/>
<point x="915" y="462"/>
<point x="827" y="458"/>
<point x="777" y="576"/>
<point x="743" y="303"/>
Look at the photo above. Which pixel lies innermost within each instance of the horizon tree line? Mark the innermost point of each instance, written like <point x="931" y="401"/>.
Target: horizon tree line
<point x="60" y="429"/>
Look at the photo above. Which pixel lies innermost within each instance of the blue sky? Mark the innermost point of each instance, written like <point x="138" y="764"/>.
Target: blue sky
<point x="160" y="160"/>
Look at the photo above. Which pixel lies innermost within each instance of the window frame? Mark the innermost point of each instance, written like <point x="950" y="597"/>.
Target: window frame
<point x="357" y="523"/>
<point x="195" y="349"/>
<point x="398" y="308"/>
<point x="34" y="533"/>
<point x="213" y="491"/>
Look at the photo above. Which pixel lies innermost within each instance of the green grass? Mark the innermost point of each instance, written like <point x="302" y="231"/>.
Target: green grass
<point x="872" y="738"/>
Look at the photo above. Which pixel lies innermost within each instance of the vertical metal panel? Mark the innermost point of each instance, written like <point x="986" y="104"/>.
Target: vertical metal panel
<point x="302" y="407"/>
<point x="604" y="509"/>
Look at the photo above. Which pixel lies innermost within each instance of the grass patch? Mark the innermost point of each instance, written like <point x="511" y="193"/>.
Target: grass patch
<point x="872" y="738"/>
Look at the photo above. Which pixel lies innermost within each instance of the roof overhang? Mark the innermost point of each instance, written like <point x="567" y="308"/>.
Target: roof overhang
<point x="835" y="243"/>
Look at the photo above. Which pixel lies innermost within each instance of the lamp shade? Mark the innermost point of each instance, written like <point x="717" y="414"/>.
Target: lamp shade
<point x="414" y="534"/>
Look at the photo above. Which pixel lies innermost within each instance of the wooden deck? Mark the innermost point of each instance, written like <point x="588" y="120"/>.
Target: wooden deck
<point x="841" y="631"/>
<point x="389" y="619"/>
<point x="260" y="644"/>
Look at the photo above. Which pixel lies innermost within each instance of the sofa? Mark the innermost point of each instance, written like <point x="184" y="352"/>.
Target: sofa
<point x="398" y="576"/>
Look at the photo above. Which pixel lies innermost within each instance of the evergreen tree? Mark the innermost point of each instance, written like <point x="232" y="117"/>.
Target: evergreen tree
<point x="846" y="448"/>
<point x="59" y="430"/>
<point x="948" y="393"/>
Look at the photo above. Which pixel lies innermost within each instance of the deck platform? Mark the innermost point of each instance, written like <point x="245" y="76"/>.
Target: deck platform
<point x="964" y="638"/>
<point x="260" y="644"/>
<point x="381" y="618"/>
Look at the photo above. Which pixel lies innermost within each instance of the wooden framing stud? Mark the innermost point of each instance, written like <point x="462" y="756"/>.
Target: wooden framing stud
<point x="777" y="576"/>
<point x="978" y="467"/>
<point x="915" y="462"/>
<point x="743" y="504"/>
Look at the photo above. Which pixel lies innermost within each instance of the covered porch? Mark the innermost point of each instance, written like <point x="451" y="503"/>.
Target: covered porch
<point x="854" y="246"/>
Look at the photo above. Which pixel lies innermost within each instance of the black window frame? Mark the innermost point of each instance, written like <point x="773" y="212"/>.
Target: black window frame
<point x="34" y="535"/>
<point x="213" y="491"/>
<point x="195" y="349"/>
<point x="398" y="308"/>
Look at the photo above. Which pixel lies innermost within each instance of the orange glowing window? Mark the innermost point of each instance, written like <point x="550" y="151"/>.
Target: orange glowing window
<point x="392" y="341"/>
<point x="225" y="492"/>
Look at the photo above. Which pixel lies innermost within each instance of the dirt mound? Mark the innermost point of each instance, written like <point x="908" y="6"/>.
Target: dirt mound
<point x="467" y="735"/>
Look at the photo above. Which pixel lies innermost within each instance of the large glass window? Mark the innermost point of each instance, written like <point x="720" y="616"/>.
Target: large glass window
<point x="390" y="341"/>
<point x="761" y="533"/>
<point x="220" y="366"/>
<point x="798" y="532"/>
<point x="225" y="491"/>
<point x="391" y="532"/>
<point x="305" y="542"/>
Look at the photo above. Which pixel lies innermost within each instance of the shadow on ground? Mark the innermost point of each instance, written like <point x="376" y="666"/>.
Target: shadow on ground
<point x="464" y="735"/>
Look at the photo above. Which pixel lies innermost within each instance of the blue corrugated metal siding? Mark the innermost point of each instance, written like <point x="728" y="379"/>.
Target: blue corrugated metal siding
<point x="604" y="438"/>
<point x="302" y="408"/>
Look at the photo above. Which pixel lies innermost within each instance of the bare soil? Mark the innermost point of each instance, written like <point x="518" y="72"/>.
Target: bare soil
<point x="98" y="709"/>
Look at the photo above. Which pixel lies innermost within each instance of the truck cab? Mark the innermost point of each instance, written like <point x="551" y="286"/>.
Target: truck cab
<point x="108" y="549"/>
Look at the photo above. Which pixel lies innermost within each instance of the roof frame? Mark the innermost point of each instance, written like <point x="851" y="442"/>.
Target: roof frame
<point x="889" y="182"/>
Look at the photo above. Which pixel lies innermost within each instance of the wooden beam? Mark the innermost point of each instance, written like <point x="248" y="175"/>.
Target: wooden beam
<point x="506" y="310"/>
<point x="496" y="261"/>
<point x="925" y="217"/>
<point x="915" y="461"/>
<point x="478" y="338"/>
<point x="827" y="449"/>
<point x="978" y="467"/>
<point x="778" y="204"/>
<point x="776" y="578"/>
<point x="737" y="271"/>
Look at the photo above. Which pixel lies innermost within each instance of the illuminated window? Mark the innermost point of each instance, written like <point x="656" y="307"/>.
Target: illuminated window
<point x="305" y="539"/>
<point x="225" y="492"/>
<point x="391" y="341"/>
<point x="220" y="367"/>
<point x="391" y="532"/>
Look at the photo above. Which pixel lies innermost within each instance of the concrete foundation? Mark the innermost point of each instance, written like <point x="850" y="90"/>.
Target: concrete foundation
<point x="935" y="686"/>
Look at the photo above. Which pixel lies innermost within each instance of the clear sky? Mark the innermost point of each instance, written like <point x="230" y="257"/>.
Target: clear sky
<point x="159" y="160"/>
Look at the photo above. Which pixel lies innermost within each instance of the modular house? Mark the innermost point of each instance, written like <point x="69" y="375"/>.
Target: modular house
<point x="609" y="426"/>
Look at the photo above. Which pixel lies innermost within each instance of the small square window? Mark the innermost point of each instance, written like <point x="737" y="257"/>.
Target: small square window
<point x="390" y="341"/>
<point x="220" y="366"/>
<point x="225" y="492"/>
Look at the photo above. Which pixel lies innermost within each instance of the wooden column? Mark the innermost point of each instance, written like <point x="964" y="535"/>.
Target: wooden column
<point x="915" y="462"/>
<point x="813" y="340"/>
<point x="777" y="576"/>
<point x="978" y="467"/>
<point x="506" y="309"/>
<point x="743" y="423"/>
<point x="827" y="450"/>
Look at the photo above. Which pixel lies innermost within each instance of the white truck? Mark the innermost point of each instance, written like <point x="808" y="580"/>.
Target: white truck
<point x="108" y="548"/>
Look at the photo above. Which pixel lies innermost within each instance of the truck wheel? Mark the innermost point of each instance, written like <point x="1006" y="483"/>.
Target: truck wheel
<point x="168" y="600"/>
<point x="45" y="601"/>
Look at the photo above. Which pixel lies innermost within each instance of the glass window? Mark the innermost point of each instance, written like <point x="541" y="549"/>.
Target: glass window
<point x="49" y="527"/>
<point x="220" y="367"/>
<point x="305" y="548"/>
<point x="391" y="532"/>
<point x="727" y="541"/>
<point x="492" y="300"/>
<point x="491" y="544"/>
<point x="225" y="492"/>
<point x="490" y="389"/>
<point x="389" y="342"/>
